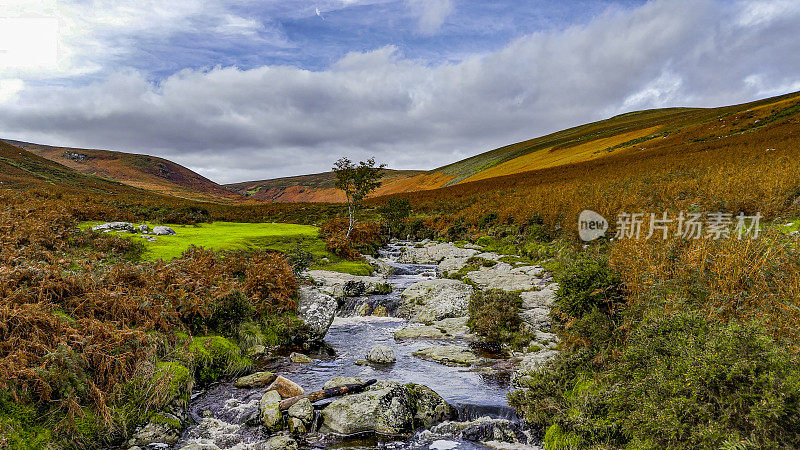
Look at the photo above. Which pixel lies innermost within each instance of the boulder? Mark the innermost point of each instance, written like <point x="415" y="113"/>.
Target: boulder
<point x="341" y="285"/>
<point x="483" y="430"/>
<point x="281" y="442"/>
<point x="381" y="354"/>
<point x="445" y="329"/>
<point x="258" y="379"/>
<point x="535" y="309"/>
<point x="387" y="407"/>
<point x="431" y="300"/>
<point x="143" y="228"/>
<point x="341" y="381"/>
<point x="285" y="387"/>
<point x="300" y="358"/>
<point x="316" y="310"/>
<point x="296" y="426"/>
<point x="302" y="410"/>
<point x="162" y="230"/>
<point x="449" y="355"/>
<point x="433" y="253"/>
<point x="502" y="276"/>
<point x="155" y="433"/>
<point x="381" y="267"/>
<point x="430" y="407"/>
<point x="530" y="363"/>
<point x="210" y="434"/>
<point x="380" y="311"/>
<point x="270" y="411"/>
<point x="115" y="226"/>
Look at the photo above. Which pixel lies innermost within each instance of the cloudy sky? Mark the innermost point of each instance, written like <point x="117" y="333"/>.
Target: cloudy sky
<point x="243" y="90"/>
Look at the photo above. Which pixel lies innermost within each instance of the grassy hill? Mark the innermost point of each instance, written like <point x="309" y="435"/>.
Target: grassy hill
<point x="318" y="187"/>
<point x="143" y="171"/>
<point x="610" y="138"/>
<point x="21" y="169"/>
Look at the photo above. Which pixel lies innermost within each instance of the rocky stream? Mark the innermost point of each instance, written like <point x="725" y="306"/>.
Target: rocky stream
<point x="437" y="388"/>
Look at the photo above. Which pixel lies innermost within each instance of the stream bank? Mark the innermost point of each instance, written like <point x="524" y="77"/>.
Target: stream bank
<point x="476" y="388"/>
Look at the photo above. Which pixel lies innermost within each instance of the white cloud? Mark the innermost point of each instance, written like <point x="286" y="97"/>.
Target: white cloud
<point x="9" y="88"/>
<point x="270" y="121"/>
<point x="431" y="14"/>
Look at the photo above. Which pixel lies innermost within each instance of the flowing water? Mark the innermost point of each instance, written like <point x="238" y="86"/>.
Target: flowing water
<point x="348" y="340"/>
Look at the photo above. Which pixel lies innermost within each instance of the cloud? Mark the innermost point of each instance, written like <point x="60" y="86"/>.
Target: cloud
<point x="431" y="14"/>
<point x="233" y="124"/>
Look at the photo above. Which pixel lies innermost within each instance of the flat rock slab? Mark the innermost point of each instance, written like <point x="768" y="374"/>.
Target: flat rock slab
<point x="258" y="379"/>
<point x="449" y="355"/>
<point x="502" y="276"/>
<point x="454" y="328"/>
<point x="434" y="253"/>
<point x="431" y="300"/>
<point x="341" y="285"/>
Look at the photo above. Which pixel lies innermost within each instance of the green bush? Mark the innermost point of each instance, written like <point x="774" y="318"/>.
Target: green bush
<point x="679" y="381"/>
<point x="585" y="283"/>
<point x="494" y="315"/>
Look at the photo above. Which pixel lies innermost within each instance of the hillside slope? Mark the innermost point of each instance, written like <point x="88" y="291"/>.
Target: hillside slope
<point x="143" y="171"/>
<point x="21" y="169"/>
<point x="600" y="140"/>
<point x="318" y="187"/>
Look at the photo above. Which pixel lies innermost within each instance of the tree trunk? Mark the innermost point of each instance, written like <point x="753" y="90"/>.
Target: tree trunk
<point x="350" y="212"/>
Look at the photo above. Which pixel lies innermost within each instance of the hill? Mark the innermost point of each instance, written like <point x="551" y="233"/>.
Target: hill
<point x="613" y="137"/>
<point x="21" y="169"/>
<point x="318" y="187"/>
<point x="143" y="171"/>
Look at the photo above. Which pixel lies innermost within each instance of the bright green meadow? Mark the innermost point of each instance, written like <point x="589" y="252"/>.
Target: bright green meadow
<point x="282" y="237"/>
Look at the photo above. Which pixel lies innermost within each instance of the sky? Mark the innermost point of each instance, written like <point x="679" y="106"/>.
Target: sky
<point x="248" y="90"/>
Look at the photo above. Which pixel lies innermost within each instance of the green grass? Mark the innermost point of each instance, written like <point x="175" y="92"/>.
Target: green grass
<point x="281" y="237"/>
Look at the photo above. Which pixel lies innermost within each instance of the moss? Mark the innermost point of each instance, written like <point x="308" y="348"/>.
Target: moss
<point x="555" y="438"/>
<point x="384" y="288"/>
<point x="166" y="420"/>
<point x="63" y="315"/>
<point x="21" y="426"/>
<point x="216" y="356"/>
<point x="178" y="377"/>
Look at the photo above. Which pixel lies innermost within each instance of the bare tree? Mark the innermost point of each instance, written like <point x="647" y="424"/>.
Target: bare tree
<point x="357" y="181"/>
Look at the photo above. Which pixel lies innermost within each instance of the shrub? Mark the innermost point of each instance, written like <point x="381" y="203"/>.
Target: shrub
<point x="494" y="315"/>
<point x="586" y="283"/>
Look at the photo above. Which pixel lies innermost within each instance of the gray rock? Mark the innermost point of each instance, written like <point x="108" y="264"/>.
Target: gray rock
<point x="445" y="329"/>
<point x="481" y="430"/>
<point x="143" y="228"/>
<point x="296" y="426"/>
<point x="430" y="407"/>
<point x="431" y="300"/>
<point x="381" y="267"/>
<point x="341" y="381"/>
<point x="433" y="253"/>
<point x="162" y="230"/>
<point x="381" y="354"/>
<point x="530" y="363"/>
<point x="302" y="410"/>
<point x="154" y="433"/>
<point x="115" y="226"/>
<point x="270" y="412"/>
<point x="258" y="379"/>
<point x="449" y="355"/>
<point x="341" y="285"/>
<point x="535" y="310"/>
<point x="316" y="310"/>
<point x="387" y="407"/>
<point x="502" y="276"/>
<point x="281" y="442"/>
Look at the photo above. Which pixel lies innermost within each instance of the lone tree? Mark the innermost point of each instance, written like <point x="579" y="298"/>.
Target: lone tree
<point x="357" y="181"/>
